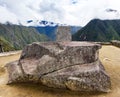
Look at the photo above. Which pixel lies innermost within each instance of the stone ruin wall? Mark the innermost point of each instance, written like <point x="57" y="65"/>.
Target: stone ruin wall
<point x="116" y="43"/>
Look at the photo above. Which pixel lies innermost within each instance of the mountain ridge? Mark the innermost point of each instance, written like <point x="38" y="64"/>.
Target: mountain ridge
<point x="99" y="30"/>
<point x="19" y="36"/>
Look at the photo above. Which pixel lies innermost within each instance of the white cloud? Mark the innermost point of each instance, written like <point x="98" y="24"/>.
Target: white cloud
<point x="72" y="12"/>
<point x="6" y="15"/>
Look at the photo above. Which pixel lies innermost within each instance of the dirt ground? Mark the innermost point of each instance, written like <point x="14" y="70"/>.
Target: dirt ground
<point x="109" y="55"/>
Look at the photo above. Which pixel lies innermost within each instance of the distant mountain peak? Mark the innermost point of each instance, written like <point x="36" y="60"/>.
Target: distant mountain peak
<point x="29" y="21"/>
<point x="74" y="1"/>
<point x="111" y="10"/>
<point x="99" y="31"/>
<point x="43" y="23"/>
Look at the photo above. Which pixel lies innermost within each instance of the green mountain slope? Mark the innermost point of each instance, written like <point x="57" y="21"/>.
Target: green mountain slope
<point x="6" y="46"/>
<point x="99" y="30"/>
<point x="19" y="36"/>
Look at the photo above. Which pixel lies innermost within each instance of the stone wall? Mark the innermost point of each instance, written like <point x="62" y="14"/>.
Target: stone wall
<point x="115" y="43"/>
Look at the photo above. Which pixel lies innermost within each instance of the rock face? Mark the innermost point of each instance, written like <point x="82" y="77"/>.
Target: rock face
<point x="67" y="65"/>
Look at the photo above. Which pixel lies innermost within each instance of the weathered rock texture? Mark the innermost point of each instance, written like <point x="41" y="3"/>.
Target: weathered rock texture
<point x="68" y="65"/>
<point x="63" y="33"/>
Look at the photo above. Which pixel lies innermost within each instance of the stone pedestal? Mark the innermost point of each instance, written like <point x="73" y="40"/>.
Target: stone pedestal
<point x="67" y="65"/>
<point x="63" y="33"/>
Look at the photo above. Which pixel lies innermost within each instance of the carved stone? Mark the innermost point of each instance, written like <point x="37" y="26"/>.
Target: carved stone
<point x="67" y="65"/>
<point x="63" y="33"/>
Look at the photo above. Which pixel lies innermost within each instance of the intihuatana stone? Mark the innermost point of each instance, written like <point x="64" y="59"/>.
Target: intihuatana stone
<point x="63" y="33"/>
<point x="67" y="65"/>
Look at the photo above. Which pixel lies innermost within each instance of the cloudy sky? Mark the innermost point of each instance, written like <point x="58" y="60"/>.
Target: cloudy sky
<point x="71" y="12"/>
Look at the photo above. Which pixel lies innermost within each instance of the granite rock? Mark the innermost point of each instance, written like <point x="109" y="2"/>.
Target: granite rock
<point x="68" y="65"/>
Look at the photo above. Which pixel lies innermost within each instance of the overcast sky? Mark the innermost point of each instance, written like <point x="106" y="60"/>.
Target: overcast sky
<point x="71" y="12"/>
